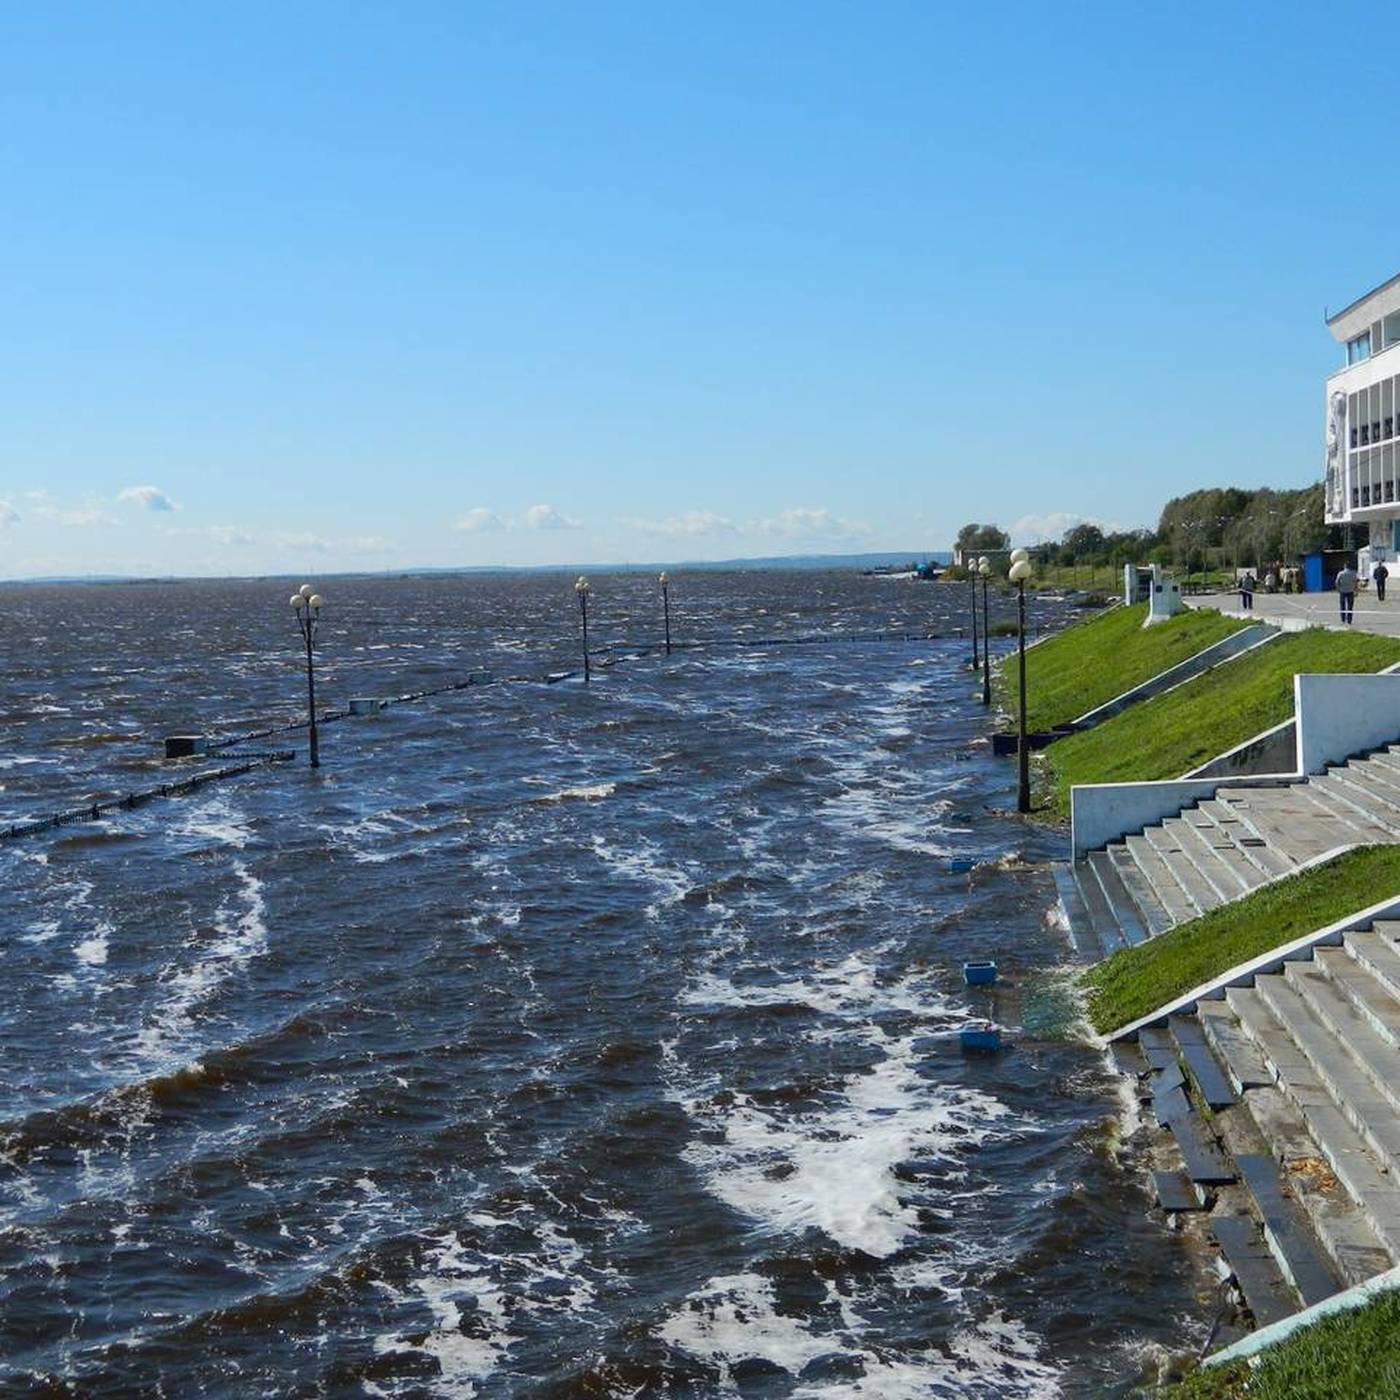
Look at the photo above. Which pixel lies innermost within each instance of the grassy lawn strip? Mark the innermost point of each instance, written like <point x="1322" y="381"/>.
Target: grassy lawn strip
<point x="1349" y="1356"/>
<point x="1170" y="734"/>
<point x="1092" y="661"/>
<point x="1134" y="981"/>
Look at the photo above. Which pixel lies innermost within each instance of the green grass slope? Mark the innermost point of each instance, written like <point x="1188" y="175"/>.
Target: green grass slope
<point x="1090" y="662"/>
<point x="1170" y="734"/>
<point x="1348" y="1356"/>
<point x="1135" y="981"/>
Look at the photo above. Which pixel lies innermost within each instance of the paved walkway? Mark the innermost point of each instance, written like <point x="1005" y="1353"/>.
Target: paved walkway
<point x="1310" y="609"/>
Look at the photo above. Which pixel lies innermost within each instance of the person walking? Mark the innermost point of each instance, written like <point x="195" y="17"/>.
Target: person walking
<point x="1346" y="592"/>
<point x="1247" y="587"/>
<point x="1379" y="575"/>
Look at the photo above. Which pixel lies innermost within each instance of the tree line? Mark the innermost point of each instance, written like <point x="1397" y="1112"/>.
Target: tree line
<point x="1218" y="527"/>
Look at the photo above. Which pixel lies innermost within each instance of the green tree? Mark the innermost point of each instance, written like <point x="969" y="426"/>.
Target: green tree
<point x="973" y="537"/>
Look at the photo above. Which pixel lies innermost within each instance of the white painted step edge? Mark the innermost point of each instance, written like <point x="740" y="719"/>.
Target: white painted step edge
<point x="1348" y="1300"/>
<point x="1245" y="973"/>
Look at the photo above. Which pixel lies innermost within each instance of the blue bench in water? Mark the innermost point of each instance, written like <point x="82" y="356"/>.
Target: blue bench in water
<point x="981" y="1037"/>
<point x="979" y="974"/>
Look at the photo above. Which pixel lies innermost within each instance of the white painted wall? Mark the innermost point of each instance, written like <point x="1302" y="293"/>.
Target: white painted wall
<point x="1342" y="715"/>
<point x="1104" y="812"/>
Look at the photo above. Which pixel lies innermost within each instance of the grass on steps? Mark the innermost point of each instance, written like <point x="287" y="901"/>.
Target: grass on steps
<point x="1135" y="981"/>
<point x="1090" y="662"/>
<point x="1168" y="735"/>
<point x="1348" y="1356"/>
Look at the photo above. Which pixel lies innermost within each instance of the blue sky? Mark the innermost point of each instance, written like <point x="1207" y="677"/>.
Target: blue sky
<point x="298" y="288"/>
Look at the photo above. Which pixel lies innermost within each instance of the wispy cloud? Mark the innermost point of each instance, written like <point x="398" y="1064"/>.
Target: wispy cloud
<point x="89" y="513"/>
<point x="547" y="518"/>
<point x="479" y="518"/>
<point x="8" y="515"/>
<point x="148" y="497"/>
<point x="794" y="523"/>
<point x="807" y="523"/>
<point x="221" y="534"/>
<point x="691" y="523"/>
<point x="1036" y="529"/>
<point x="307" y="543"/>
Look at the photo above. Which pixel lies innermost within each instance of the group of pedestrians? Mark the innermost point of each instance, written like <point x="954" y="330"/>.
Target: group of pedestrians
<point x="1346" y="584"/>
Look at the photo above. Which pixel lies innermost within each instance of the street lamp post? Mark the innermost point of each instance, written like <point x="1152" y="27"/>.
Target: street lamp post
<point x="583" y="588"/>
<point x="972" y="579"/>
<point x="984" y="569"/>
<point x="307" y="605"/>
<point x="1019" y="573"/>
<point x="665" y="581"/>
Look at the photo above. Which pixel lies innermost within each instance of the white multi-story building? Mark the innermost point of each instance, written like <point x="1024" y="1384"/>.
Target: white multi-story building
<point x="1363" y="423"/>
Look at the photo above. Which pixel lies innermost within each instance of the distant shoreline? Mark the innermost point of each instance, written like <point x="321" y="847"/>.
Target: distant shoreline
<point x="792" y="561"/>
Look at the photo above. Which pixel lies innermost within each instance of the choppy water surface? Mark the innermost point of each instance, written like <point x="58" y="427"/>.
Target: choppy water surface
<point x="550" y="1041"/>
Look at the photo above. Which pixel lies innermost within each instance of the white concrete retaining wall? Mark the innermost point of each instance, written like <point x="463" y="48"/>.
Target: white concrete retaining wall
<point x="1273" y="751"/>
<point x="1342" y="715"/>
<point x="1223" y="650"/>
<point x="1103" y="812"/>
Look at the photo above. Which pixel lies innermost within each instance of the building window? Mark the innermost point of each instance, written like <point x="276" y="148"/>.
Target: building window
<point x="1390" y="330"/>
<point x="1359" y="349"/>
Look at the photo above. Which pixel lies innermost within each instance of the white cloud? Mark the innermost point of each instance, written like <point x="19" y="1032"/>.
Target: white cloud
<point x="547" y="518"/>
<point x="794" y="523"/>
<point x="8" y="515"/>
<point x="691" y="523"/>
<point x="807" y="523"/>
<point x="89" y="514"/>
<point x="318" y="544"/>
<point x="150" y="497"/>
<point x="221" y="534"/>
<point x="479" y="518"/>
<point x="1038" y="529"/>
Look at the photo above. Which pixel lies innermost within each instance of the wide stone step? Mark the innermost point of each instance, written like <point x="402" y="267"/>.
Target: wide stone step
<point x="1120" y="902"/>
<point x="1199" y="845"/>
<point x="1246" y="871"/>
<point x="1290" y="822"/>
<point x="1179" y="861"/>
<point x="1333" y="996"/>
<point x="1342" y="1148"/>
<point x="1271" y="862"/>
<point x="1339" y="1223"/>
<point x="1267" y="1293"/>
<point x="1164" y="884"/>
<point x="1149" y="906"/>
<point x="1176" y="1192"/>
<point x="1212" y="1084"/>
<point x="1375" y="950"/>
<point x="1376" y="777"/>
<point x="1287" y="1231"/>
<point x="1371" y="998"/>
<point x="1081" y="933"/>
<point x="1353" y="825"/>
<point x="1340" y="1076"/>
<point x="1365" y="796"/>
<point x="1243" y="1063"/>
<point x="1101" y="921"/>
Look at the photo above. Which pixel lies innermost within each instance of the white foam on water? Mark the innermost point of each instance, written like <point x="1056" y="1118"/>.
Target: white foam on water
<point x="643" y="863"/>
<point x="242" y="935"/>
<point x="829" y="1165"/>
<point x="93" y="950"/>
<point x="474" y="1297"/>
<point x="735" y="1318"/>
<point x="579" y="794"/>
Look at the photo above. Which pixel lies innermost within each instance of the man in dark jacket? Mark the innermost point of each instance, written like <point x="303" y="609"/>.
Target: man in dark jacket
<point x="1346" y="592"/>
<point x="1379" y="574"/>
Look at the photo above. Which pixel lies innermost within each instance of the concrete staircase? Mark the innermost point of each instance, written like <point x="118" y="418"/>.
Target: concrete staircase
<point x="1216" y="851"/>
<point x="1283" y="1104"/>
